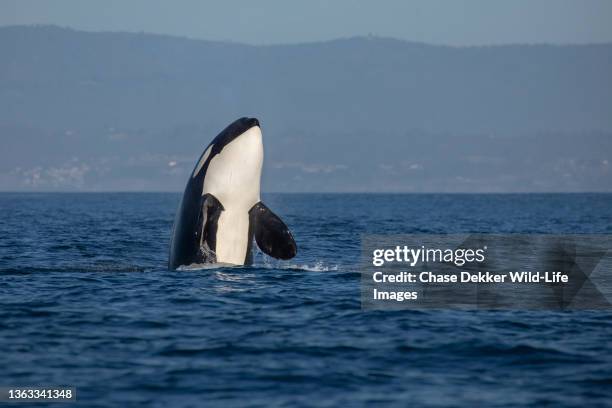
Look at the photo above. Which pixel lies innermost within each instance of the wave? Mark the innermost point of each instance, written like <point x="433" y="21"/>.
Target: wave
<point x="102" y="267"/>
<point x="318" y="266"/>
<point x="205" y="266"/>
<point x="263" y="263"/>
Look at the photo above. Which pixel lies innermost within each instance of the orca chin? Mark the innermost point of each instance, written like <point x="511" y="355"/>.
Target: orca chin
<point x="221" y="212"/>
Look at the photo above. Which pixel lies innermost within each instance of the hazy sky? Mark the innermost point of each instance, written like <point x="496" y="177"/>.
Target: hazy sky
<point x="456" y="22"/>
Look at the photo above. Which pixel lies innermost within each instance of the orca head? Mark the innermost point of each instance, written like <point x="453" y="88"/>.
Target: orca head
<point x="235" y="130"/>
<point x="230" y="167"/>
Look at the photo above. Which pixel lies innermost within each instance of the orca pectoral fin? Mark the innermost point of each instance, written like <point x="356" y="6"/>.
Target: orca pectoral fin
<point x="271" y="234"/>
<point x="207" y="228"/>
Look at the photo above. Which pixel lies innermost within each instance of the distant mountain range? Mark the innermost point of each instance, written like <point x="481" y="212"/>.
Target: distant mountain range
<point x="122" y="111"/>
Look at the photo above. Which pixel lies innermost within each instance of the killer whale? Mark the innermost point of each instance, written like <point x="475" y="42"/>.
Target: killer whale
<point x="221" y="212"/>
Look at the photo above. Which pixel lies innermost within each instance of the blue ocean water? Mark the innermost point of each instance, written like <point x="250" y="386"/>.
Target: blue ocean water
<point x="86" y="301"/>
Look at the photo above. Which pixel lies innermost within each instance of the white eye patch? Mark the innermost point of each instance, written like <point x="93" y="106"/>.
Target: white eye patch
<point x="202" y="161"/>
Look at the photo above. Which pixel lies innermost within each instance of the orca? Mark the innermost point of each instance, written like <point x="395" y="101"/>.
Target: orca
<point x="221" y="209"/>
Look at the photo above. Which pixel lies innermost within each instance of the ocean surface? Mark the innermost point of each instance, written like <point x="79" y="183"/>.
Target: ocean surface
<point x="86" y="300"/>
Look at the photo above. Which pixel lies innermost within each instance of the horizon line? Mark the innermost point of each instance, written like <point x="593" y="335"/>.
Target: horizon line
<point x="303" y="192"/>
<point x="368" y="36"/>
